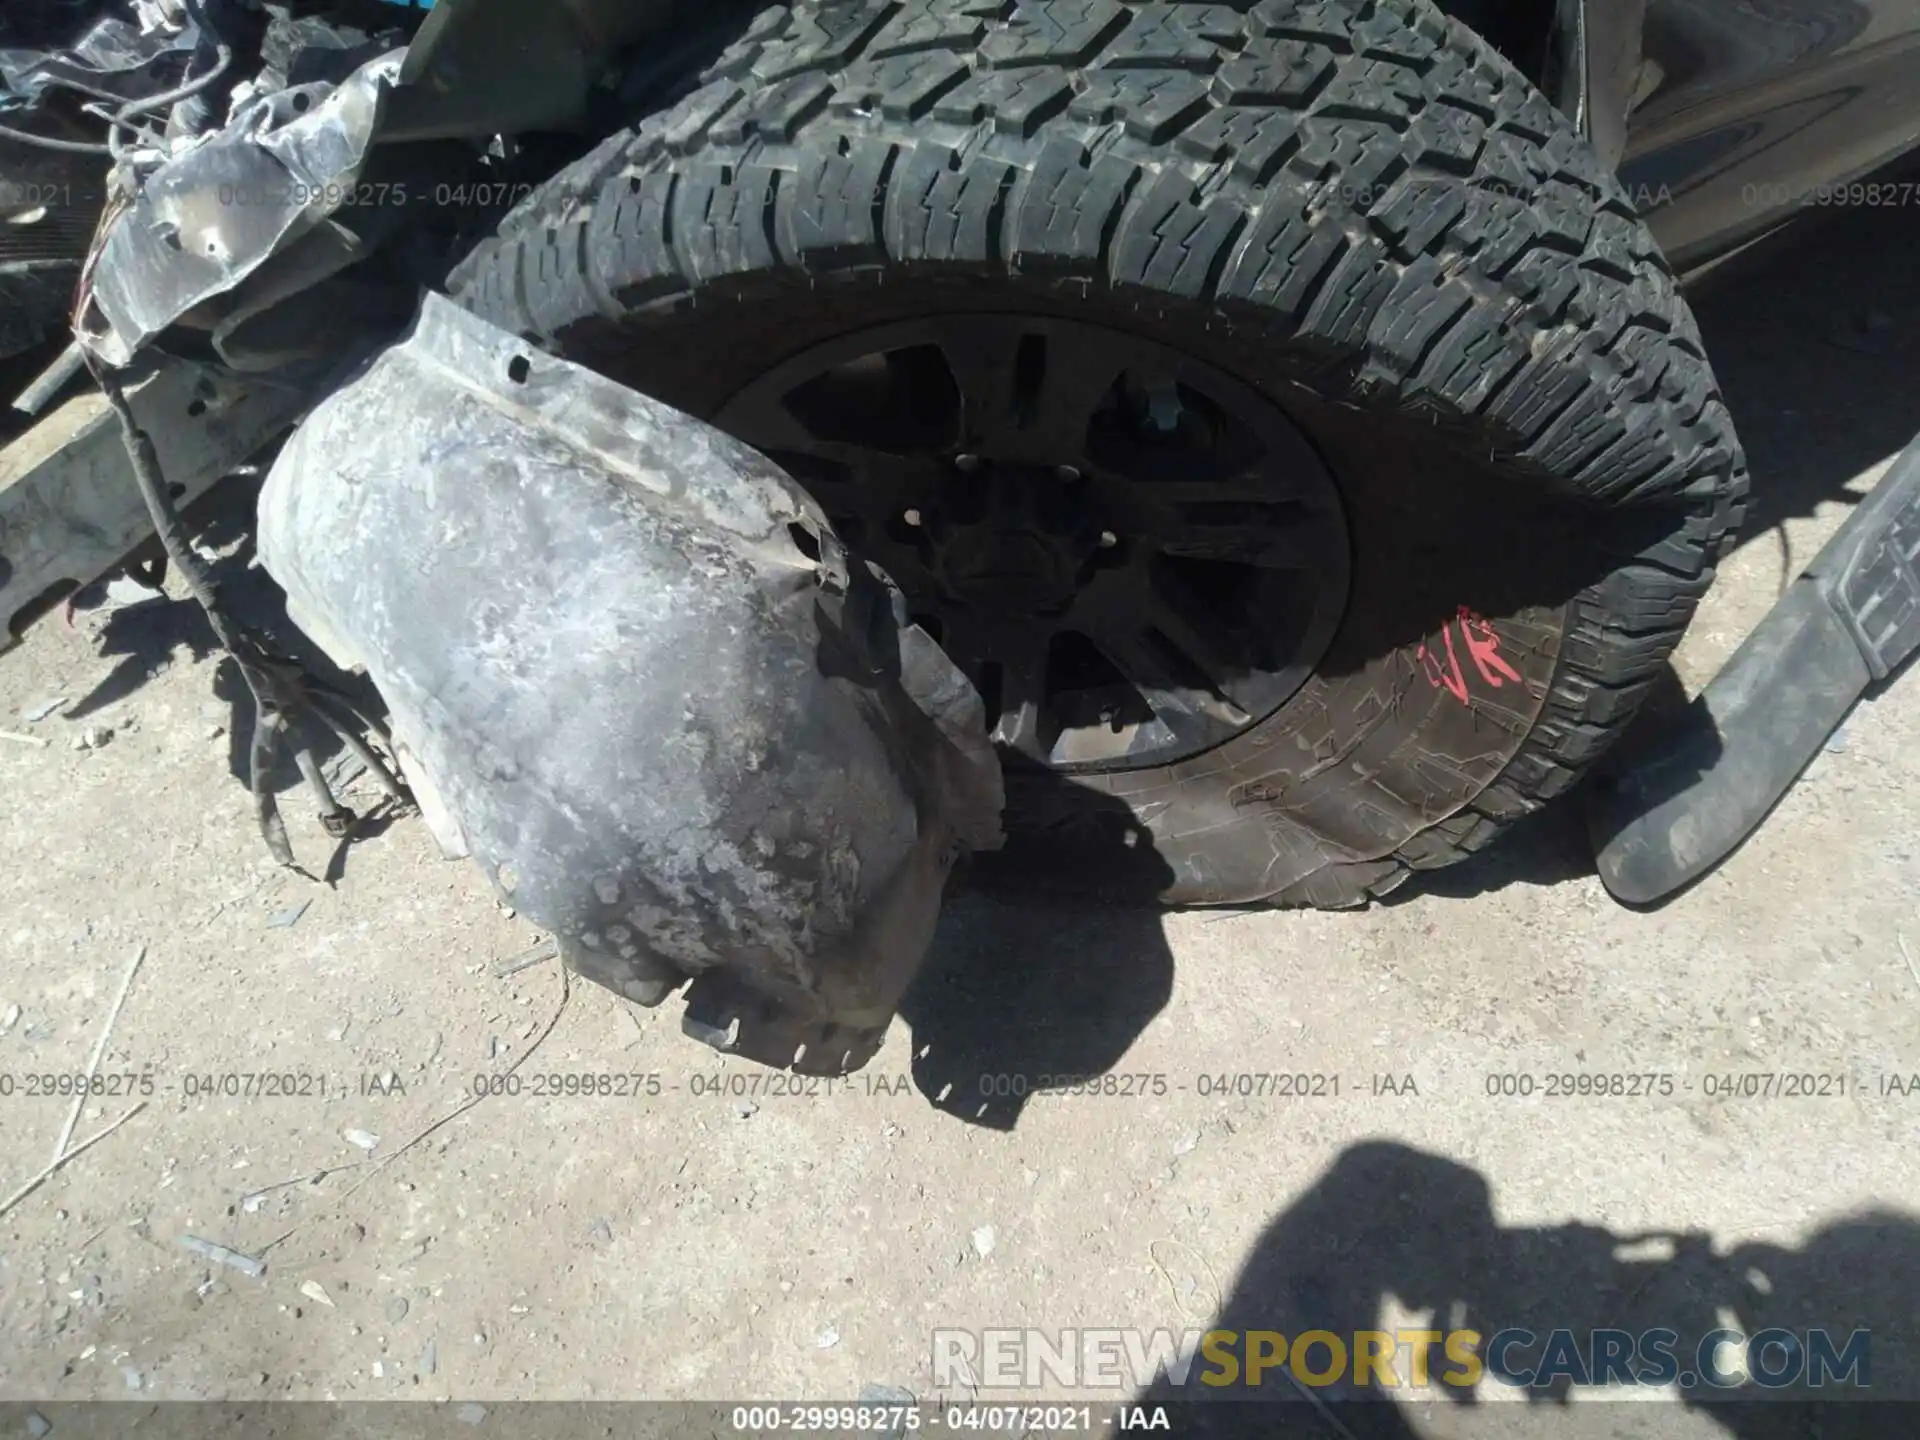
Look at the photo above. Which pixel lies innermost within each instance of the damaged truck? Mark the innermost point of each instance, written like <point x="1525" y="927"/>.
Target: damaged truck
<point x="1210" y="454"/>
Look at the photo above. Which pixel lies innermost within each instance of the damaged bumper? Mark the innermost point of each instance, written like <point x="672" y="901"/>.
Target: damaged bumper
<point x="635" y="676"/>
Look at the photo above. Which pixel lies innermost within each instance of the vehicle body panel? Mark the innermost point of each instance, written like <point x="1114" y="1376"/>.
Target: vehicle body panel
<point x="1750" y="110"/>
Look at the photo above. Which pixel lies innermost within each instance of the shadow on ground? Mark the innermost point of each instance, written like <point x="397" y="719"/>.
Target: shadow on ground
<point x="1022" y="995"/>
<point x="142" y="639"/>
<point x="1391" y="1223"/>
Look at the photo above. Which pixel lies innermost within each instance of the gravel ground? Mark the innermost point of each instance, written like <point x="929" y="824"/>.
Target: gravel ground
<point x="694" y="1243"/>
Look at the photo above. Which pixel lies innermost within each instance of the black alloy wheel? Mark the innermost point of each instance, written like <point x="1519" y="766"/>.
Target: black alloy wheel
<point x="1134" y="556"/>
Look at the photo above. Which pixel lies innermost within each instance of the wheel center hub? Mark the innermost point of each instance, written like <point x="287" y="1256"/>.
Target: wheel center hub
<point x="1014" y="542"/>
<point x="1004" y="572"/>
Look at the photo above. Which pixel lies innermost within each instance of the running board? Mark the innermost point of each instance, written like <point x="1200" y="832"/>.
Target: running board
<point x="1844" y="626"/>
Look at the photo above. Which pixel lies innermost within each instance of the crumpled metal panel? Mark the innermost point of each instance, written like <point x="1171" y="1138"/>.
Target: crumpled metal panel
<point x="69" y="508"/>
<point x="117" y="54"/>
<point x="638" y="680"/>
<point x="206" y="219"/>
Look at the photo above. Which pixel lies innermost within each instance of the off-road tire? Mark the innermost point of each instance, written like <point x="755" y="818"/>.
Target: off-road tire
<point x="1355" y="205"/>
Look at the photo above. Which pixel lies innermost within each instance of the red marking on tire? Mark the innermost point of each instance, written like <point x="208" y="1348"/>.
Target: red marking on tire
<point x="1482" y="643"/>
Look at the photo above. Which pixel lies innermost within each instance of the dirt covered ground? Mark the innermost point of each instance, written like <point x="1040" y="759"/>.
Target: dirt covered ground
<point x="692" y="1240"/>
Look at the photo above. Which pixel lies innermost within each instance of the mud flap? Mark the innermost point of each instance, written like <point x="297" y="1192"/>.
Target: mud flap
<point x="1842" y="627"/>
<point x="635" y="675"/>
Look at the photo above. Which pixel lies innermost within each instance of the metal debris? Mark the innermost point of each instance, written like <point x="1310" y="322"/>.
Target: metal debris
<point x="362" y="1138"/>
<point x="316" y="1292"/>
<point x="38" y="1426"/>
<point x="1184" y="1145"/>
<point x="534" y="955"/>
<point x="288" y="918"/>
<point x="827" y="1338"/>
<point x="174" y="248"/>
<point x="471" y="1414"/>
<point x="11" y="1019"/>
<point x="983" y="1241"/>
<point x="34" y="714"/>
<point x="221" y="1255"/>
<point x="430" y="1358"/>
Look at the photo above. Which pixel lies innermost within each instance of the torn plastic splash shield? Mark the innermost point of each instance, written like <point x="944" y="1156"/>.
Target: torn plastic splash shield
<point x="638" y="680"/>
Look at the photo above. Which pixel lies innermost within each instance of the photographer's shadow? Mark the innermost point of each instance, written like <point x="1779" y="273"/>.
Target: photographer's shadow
<point x="1390" y="1223"/>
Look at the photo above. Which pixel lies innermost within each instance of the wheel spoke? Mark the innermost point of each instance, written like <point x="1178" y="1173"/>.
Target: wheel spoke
<point x="1167" y="612"/>
<point x="982" y="353"/>
<point x="1077" y="370"/>
<point x="1246" y="487"/>
<point x="1016" y="657"/>
<point x="1186" y="711"/>
<point x="1141" y="655"/>
<point x="1186" y="473"/>
<point x="1028" y="394"/>
<point x="1272" y="546"/>
<point x="763" y="421"/>
<point x="1018" y="728"/>
<point x="1023" y="694"/>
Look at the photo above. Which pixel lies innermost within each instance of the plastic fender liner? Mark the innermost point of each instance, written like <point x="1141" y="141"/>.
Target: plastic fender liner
<point x="637" y="678"/>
